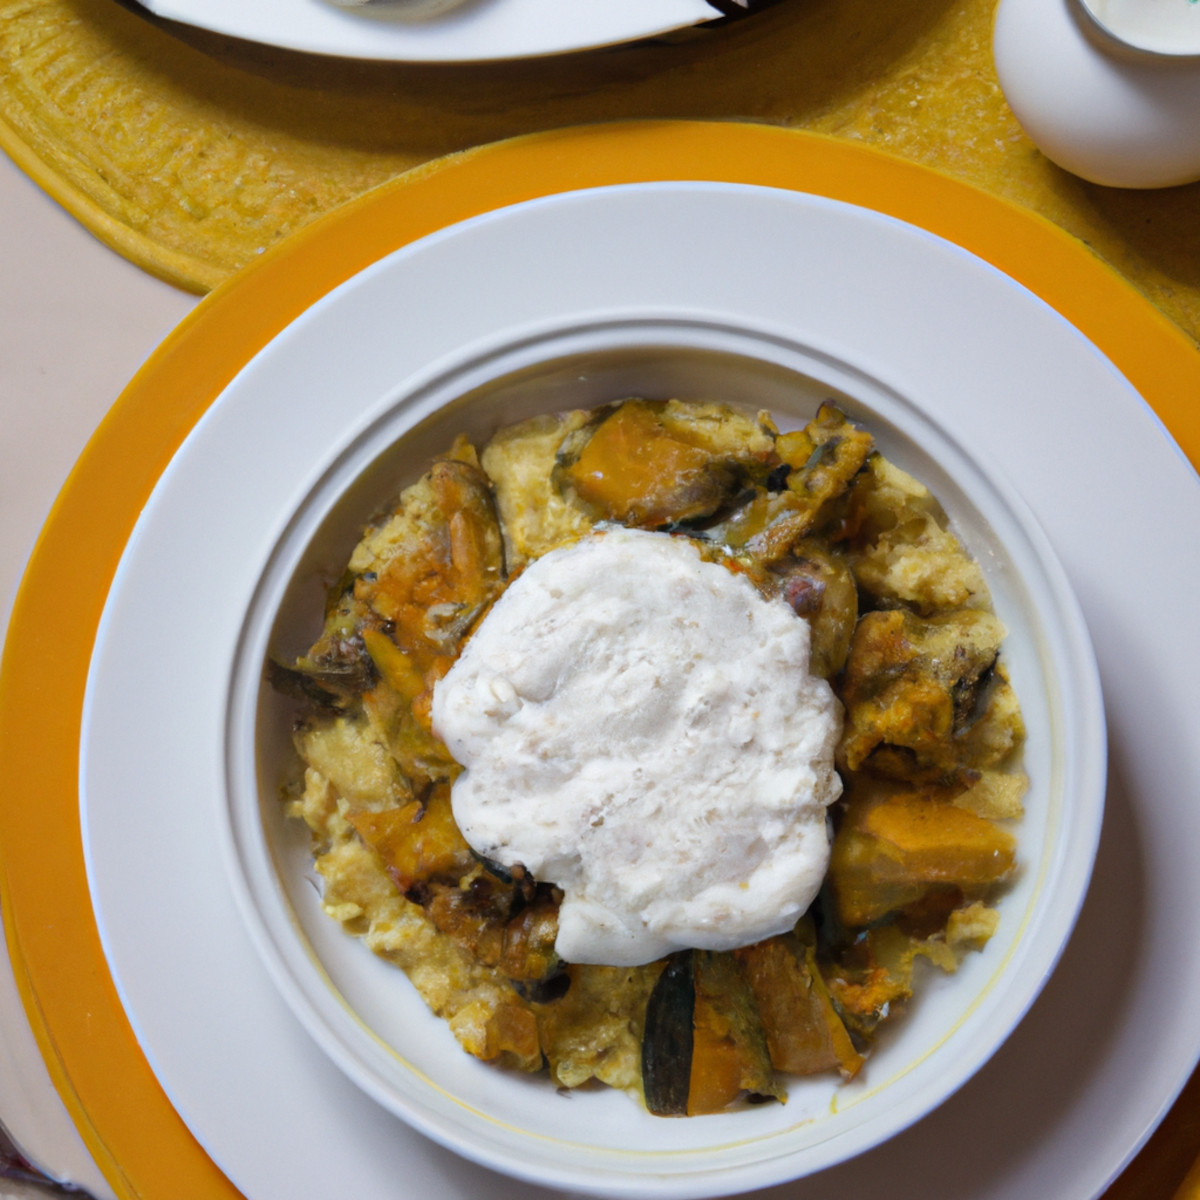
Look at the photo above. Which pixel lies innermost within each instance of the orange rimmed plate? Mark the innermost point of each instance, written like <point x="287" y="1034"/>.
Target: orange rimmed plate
<point x="135" y="1133"/>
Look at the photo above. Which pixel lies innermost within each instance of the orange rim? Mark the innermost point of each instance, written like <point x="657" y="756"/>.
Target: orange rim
<point x="137" y="1138"/>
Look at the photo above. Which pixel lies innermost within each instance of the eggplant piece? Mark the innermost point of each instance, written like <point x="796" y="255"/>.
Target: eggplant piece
<point x="825" y="455"/>
<point x="820" y="588"/>
<point x="912" y="689"/>
<point x="332" y="676"/>
<point x="704" y="1044"/>
<point x="316" y="688"/>
<point x="667" y="1039"/>
<point x="822" y="461"/>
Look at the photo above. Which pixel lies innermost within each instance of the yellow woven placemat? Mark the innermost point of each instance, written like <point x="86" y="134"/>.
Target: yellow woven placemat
<point x="190" y="153"/>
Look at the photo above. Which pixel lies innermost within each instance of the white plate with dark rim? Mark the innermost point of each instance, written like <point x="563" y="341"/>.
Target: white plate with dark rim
<point x="438" y="30"/>
<point x="762" y="293"/>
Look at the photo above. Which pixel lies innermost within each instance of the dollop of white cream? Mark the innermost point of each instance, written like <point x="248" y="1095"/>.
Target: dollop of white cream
<point x="640" y="727"/>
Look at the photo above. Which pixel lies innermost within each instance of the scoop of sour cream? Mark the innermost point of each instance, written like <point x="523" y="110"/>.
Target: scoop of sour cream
<point x="640" y="727"/>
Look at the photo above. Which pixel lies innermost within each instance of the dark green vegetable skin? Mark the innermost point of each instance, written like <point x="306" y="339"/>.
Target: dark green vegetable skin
<point x="667" y="1039"/>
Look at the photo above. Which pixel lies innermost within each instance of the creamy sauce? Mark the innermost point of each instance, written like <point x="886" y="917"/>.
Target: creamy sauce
<point x="640" y="727"/>
<point x="1163" y="26"/>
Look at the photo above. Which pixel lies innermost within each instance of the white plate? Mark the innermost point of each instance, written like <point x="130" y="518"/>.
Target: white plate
<point x="438" y="30"/>
<point x="379" y="1031"/>
<point x="1099" y="1057"/>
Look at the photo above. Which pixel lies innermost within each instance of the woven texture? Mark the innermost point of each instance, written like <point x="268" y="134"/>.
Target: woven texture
<point x="190" y="153"/>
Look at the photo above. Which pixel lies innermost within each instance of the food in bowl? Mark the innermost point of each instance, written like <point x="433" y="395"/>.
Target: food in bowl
<point x="640" y="726"/>
<point x="692" y="936"/>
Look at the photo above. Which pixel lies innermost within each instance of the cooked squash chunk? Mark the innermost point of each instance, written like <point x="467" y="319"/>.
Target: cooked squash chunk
<point x="893" y="848"/>
<point x="729" y="1048"/>
<point x="436" y="564"/>
<point x="646" y="466"/>
<point x="804" y="1033"/>
<point x="632" y="470"/>
<point x="414" y="587"/>
<point x="418" y="842"/>
<point x="704" y="1045"/>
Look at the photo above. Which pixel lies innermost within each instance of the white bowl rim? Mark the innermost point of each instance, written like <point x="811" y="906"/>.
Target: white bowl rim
<point x="246" y="852"/>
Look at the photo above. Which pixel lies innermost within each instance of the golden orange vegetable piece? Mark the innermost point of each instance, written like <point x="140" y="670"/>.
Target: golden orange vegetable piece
<point x="634" y="471"/>
<point x="417" y="842"/>
<point x="888" y="853"/>
<point x="394" y="666"/>
<point x="437" y="564"/>
<point x="512" y="1030"/>
<point x="911" y="689"/>
<point x="729" y="1049"/>
<point x="717" y="1066"/>
<point x="805" y="1035"/>
<point x="873" y="977"/>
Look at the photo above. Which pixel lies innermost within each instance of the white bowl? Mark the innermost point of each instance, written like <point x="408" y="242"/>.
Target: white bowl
<point x="1113" y="114"/>
<point x="363" y="1012"/>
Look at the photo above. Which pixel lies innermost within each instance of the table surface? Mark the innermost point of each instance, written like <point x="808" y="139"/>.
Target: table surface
<point x="76" y="322"/>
